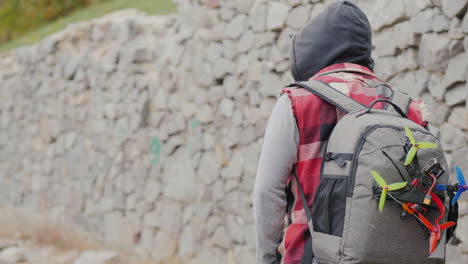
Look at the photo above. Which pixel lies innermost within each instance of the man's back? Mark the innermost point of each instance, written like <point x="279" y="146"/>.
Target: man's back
<point x="316" y="120"/>
<point x="340" y="41"/>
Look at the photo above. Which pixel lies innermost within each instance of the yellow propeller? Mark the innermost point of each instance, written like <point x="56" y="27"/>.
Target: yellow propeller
<point x="415" y="146"/>
<point x="385" y="187"/>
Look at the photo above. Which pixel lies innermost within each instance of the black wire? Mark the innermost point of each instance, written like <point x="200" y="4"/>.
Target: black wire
<point x="399" y="172"/>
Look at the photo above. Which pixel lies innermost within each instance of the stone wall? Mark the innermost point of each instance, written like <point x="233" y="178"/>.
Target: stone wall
<point x="147" y="130"/>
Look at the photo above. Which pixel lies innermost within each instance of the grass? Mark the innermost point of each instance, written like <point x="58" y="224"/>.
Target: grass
<point x="150" y="7"/>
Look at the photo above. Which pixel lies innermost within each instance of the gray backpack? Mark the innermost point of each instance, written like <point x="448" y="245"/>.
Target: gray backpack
<point x="377" y="200"/>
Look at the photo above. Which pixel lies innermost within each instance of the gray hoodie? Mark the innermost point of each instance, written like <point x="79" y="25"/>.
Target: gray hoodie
<point x="340" y="34"/>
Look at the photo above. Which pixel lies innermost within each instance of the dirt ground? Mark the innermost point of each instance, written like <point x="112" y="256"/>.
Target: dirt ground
<point x="32" y="240"/>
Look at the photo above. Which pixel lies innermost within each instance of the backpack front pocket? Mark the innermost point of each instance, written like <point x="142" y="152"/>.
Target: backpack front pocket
<point x="329" y="207"/>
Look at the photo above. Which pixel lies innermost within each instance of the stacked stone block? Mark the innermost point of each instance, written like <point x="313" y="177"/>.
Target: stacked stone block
<point x="147" y="130"/>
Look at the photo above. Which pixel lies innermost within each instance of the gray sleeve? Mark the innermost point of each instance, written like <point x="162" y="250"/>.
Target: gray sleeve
<point x="279" y="154"/>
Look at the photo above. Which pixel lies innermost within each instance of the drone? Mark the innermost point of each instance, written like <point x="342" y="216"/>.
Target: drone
<point x="418" y="196"/>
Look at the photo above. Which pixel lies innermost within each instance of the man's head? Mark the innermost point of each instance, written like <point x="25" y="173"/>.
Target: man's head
<point x="339" y="34"/>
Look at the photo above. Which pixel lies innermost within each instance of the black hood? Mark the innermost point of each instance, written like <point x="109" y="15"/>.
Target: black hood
<point x="339" y="34"/>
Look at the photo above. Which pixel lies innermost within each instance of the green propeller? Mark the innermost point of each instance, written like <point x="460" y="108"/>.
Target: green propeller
<point x="385" y="187"/>
<point x="415" y="146"/>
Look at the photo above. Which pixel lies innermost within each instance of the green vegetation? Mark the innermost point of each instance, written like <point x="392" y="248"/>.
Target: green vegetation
<point x="96" y="8"/>
<point x="20" y="16"/>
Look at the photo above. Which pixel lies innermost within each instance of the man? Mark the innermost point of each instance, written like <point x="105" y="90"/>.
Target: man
<point x="335" y="48"/>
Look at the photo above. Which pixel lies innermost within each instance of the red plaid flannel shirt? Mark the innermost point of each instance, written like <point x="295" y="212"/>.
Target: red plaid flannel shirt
<point x="315" y="120"/>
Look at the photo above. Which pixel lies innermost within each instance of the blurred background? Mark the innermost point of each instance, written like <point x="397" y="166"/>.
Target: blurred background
<point x="130" y="130"/>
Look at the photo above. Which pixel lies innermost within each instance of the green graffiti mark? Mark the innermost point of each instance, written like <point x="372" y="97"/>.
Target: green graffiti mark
<point x="155" y="150"/>
<point x="195" y="123"/>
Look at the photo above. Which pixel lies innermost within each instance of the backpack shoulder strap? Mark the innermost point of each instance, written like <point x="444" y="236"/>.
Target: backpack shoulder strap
<point x="330" y="95"/>
<point x="401" y="99"/>
<point x="308" y="256"/>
